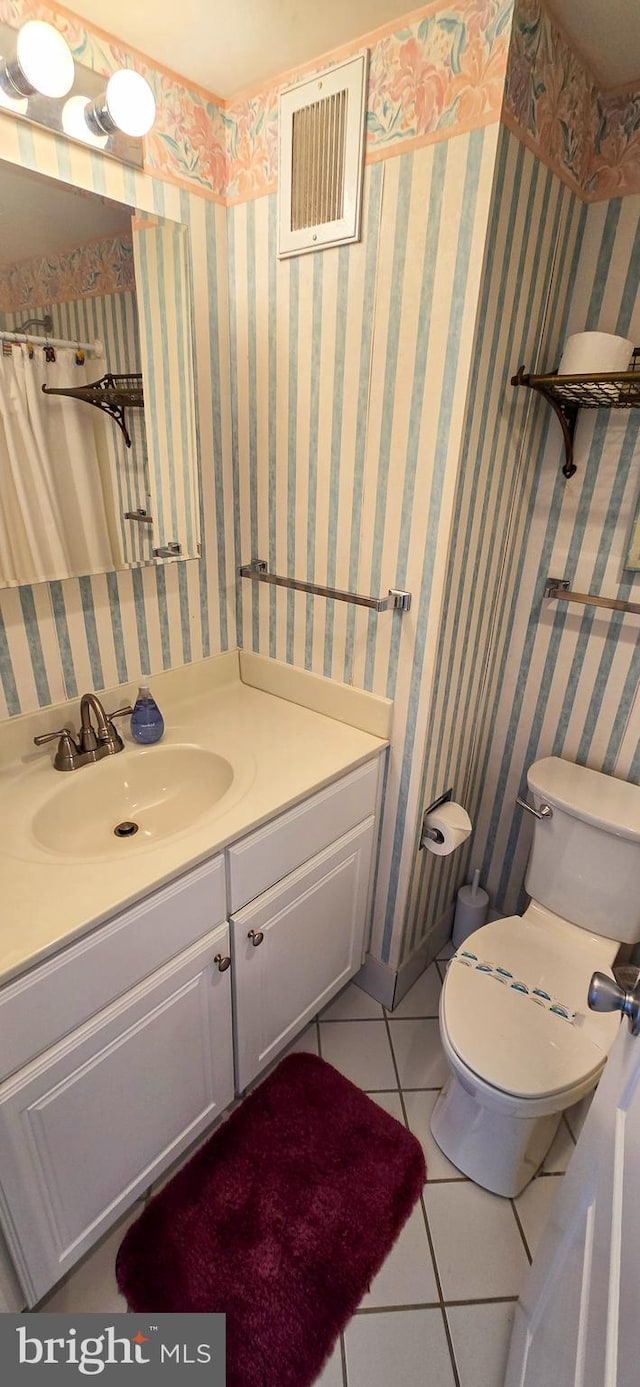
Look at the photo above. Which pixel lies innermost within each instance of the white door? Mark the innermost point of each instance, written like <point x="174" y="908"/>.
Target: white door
<point x="296" y="946"/>
<point x="578" y="1319"/>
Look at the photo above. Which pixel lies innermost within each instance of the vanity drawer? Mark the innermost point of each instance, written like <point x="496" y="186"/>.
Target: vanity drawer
<point x="269" y="854"/>
<point x="42" y="1006"/>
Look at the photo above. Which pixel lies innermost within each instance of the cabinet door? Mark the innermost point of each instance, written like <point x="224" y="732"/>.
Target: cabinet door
<point x="89" y="1126"/>
<point x="312" y="926"/>
<point x="57" y="997"/>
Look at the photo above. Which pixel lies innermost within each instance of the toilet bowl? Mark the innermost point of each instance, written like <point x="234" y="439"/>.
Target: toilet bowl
<point x="520" y="1041"/>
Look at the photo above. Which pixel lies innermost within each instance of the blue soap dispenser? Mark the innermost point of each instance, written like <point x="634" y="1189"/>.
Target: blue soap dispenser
<point x="147" y="722"/>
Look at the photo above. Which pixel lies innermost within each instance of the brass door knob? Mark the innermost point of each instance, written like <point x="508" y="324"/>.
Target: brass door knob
<point x="223" y="962"/>
<point x="256" y="937"/>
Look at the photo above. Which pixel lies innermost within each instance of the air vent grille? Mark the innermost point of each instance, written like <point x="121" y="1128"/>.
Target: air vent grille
<point x="322" y="136"/>
<point x="318" y="150"/>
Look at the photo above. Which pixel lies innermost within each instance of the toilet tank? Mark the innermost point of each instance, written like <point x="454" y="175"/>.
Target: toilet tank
<point x="584" y="863"/>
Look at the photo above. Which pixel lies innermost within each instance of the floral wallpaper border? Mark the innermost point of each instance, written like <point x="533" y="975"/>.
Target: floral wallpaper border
<point x="450" y="67"/>
<point x="433" y="78"/>
<point x="614" y="166"/>
<point x="439" y="75"/>
<point x="590" y="138"/>
<point x="100" y="267"/>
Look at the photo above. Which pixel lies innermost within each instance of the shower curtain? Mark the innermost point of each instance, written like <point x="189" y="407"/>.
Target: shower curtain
<point x="58" y="517"/>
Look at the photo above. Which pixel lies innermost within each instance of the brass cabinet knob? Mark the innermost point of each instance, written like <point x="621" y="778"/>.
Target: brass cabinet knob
<point x="256" y="937"/>
<point x="223" y="962"/>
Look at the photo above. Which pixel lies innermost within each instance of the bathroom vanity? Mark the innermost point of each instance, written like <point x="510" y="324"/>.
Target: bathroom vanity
<point x="125" y="1039"/>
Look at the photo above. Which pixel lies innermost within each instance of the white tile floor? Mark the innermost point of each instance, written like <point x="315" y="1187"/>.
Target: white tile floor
<point x="441" y="1308"/>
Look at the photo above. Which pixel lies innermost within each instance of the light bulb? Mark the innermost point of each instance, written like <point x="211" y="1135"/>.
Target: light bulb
<point x="130" y="102"/>
<point x="127" y="105"/>
<point x="44" y="60"/>
<point x="74" y="122"/>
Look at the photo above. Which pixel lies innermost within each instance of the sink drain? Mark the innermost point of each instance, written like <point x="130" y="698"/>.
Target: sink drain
<point x="126" y="829"/>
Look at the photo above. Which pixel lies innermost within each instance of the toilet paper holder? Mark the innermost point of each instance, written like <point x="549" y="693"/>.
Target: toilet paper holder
<point x="433" y="834"/>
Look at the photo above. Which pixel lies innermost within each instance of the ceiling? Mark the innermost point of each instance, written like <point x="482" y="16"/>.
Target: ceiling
<point x="39" y="216"/>
<point x="606" y="34"/>
<point x="227" y="47"/>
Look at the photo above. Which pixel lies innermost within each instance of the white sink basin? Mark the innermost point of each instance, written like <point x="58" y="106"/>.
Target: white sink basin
<point x="155" y="794"/>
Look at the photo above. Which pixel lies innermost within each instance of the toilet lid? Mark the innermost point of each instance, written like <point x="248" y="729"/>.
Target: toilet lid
<point x="514" y="1007"/>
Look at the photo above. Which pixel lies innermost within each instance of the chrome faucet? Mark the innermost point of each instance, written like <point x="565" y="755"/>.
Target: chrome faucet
<point x="88" y="741"/>
<point x="92" y="743"/>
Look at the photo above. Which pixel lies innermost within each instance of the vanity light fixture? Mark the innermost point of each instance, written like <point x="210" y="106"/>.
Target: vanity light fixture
<point x="37" y="73"/>
<point x="42" y="63"/>
<point x="128" y="104"/>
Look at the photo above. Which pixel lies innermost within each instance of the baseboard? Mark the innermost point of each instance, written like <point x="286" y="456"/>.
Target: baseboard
<point x="389" y="985"/>
<point x="423" y="955"/>
<point x="378" y="979"/>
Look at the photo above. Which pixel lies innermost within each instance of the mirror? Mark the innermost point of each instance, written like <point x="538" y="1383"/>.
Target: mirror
<point x="93" y="480"/>
<point x="633" y="553"/>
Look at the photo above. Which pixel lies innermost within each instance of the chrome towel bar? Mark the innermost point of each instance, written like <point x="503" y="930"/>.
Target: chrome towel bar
<point x="258" y="571"/>
<point x="559" y="588"/>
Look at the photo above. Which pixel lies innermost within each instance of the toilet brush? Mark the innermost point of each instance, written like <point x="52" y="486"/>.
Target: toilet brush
<point x="471" y="910"/>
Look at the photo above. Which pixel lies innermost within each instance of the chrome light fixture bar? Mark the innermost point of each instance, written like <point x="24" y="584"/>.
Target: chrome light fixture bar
<point x="41" y="84"/>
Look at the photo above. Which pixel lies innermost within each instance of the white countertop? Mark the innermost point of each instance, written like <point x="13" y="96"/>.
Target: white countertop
<point x="280" y="752"/>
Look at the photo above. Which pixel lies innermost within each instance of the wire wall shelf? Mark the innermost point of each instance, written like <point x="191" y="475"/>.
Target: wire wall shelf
<point x="568" y="394"/>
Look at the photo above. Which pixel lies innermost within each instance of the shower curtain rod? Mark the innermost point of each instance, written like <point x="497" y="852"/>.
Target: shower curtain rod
<point x="94" y="348"/>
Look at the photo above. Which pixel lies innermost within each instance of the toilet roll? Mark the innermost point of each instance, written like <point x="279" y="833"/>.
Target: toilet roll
<point x="592" y="353"/>
<point x="453" y="823"/>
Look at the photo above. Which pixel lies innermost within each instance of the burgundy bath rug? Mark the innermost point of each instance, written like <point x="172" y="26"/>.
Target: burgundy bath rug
<point x="280" y="1220"/>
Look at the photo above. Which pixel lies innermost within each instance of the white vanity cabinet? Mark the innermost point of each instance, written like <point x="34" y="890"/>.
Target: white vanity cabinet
<point x="117" y="1052"/>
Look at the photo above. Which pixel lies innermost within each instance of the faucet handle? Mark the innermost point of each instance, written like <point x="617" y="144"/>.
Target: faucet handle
<point x="51" y="736"/>
<point x="120" y="712"/>
<point x="66" y="757"/>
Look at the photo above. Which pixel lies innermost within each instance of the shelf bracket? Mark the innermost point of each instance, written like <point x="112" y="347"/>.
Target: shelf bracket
<point x="112" y="394"/>
<point x="565" y="413"/>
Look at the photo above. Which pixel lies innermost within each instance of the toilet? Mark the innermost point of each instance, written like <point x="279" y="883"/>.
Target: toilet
<point x="520" y="1040"/>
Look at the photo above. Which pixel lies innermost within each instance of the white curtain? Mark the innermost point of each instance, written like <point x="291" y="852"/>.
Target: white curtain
<point x="57" y="507"/>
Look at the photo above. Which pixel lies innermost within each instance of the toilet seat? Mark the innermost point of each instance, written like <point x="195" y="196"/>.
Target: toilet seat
<point x="498" y="1011"/>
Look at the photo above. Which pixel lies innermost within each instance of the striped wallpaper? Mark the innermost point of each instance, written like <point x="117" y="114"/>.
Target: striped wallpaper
<point x="519" y="678"/>
<point x="566" y="678"/>
<point x="355" y="427"/>
<point x="113" y="320"/>
<point x="348" y="381"/>
<point x="59" y="639"/>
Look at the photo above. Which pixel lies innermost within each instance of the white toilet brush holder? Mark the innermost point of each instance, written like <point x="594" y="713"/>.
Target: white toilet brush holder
<point x="471" y="910"/>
